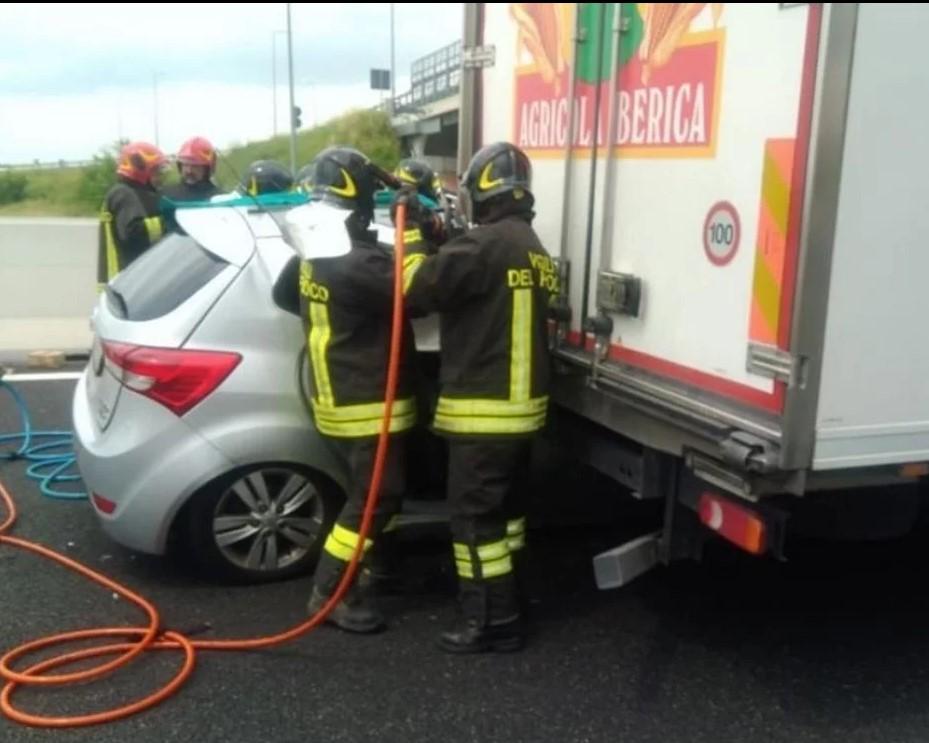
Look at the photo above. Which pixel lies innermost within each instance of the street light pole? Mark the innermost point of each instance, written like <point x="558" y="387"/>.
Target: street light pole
<point x="290" y="76"/>
<point x="274" y="35"/>
<point x="274" y="78"/>
<point x="155" y="104"/>
<point x="393" y="70"/>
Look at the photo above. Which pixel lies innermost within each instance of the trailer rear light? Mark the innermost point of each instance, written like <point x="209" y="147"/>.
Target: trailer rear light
<point x="741" y="526"/>
<point x="176" y="378"/>
<point x="914" y="470"/>
<point x="103" y="505"/>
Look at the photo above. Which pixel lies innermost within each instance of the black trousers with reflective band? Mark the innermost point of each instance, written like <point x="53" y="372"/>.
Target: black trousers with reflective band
<point x="360" y="454"/>
<point x="487" y="486"/>
<point x="487" y="491"/>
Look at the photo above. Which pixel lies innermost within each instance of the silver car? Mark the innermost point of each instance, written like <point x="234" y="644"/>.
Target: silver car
<point x="191" y="418"/>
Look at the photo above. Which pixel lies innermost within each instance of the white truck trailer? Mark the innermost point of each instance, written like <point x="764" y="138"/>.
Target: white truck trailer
<point x="738" y="200"/>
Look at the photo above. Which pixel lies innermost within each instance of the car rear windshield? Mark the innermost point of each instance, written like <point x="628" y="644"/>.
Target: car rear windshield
<point x="162" y="278"/>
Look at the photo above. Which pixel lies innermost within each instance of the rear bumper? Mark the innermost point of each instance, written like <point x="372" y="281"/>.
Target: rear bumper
<point x="148" y="462"/>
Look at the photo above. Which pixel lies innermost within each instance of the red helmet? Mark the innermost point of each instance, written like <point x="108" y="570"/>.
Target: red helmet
<point x="198" y="151"/>
<point x="139" y="161"/>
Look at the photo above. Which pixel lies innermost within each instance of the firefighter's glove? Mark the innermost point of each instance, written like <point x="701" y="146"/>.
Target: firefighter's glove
<point x="416" y="213"/>
<point x="434" y="231"/>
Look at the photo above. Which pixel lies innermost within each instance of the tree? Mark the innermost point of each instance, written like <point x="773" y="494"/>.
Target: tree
<point x="96" y="179"/>
<point x="12" y="187"/>
<point x="370" y="132"/>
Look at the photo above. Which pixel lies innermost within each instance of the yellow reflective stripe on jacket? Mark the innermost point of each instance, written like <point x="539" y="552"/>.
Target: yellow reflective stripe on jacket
<point x="350" y="421"/>
<point x="112" y="257"/>
<point x="521" y="345"/>
<point x="516" y="534"/>
<point x="451" y="406"/>
<point x="411" y="264"/>
<point x="341" y="543"/>
<point x="490" y="416"/>
<point x="493" y="560"/>
<point x="520" y="413"/>
<point x="413" y="235"/>
<point x="489" y="425"/>
<point x="318" y="342"/>
<point x="154" y="228"/>
<point x="366" y="411"/>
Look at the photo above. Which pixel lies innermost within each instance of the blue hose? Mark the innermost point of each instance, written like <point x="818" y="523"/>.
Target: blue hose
<point x="50" y="459"/>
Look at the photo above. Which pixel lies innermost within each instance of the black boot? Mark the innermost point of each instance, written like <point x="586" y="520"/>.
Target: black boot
<point x="381" y="572"/>
<point x="488" y="619"/>
<point x="356" y="612"/>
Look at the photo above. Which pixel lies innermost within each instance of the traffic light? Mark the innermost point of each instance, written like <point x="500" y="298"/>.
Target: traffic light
<point x="295" y="117"/>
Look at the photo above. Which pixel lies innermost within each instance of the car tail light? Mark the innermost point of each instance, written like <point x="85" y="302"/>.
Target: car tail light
<point x="741" y="526"/>
<point x="176" y="378"/>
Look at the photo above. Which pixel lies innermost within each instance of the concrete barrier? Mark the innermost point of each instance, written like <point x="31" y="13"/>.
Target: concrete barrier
<point x="47" y="284"/>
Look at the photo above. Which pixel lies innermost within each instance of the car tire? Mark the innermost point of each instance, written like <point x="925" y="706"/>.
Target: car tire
<point x="262" y="523"/>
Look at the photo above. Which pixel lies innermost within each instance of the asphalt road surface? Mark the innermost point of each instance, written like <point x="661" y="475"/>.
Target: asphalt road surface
<point x="830" y="646"/>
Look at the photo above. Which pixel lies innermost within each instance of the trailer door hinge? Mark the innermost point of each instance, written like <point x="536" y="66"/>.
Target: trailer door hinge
<point x="774" y="363"/>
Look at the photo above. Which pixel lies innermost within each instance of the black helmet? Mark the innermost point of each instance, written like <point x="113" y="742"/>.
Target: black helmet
<point x="419" y="174"/>
<point x="266" y="176"/>
<point x="497" y="169"/>
<point x="343" y="176"/>
<point x="305" y="178"/>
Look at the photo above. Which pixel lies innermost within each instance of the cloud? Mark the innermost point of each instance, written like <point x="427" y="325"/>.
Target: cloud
<point x="83" y="48"/>
<point x="78" y="126"/>
<point x="73" y="77"/>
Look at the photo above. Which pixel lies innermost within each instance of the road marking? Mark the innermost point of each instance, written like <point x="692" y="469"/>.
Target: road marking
<point x="42" y="377"/>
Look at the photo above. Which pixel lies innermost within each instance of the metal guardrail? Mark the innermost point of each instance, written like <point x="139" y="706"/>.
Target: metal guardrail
<point x="50" y="165"/>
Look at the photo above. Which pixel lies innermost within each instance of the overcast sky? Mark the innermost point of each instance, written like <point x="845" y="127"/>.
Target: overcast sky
<point x="75" y="78"/>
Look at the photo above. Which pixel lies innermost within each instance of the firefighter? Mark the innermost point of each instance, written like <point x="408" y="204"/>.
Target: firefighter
<point x="266" y="176"/>
<point x="424" y="179"/>
<point x="346" y="304"/>
<point x="196" y="164"/>
<point x="491" y="288"/>
<point x="130" y="220"/>
<point x="421" y="176"/>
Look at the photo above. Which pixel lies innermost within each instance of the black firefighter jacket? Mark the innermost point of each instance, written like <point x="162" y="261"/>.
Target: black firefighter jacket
<point x="130" y="223"/>
<point x="346" y="304"/>
<point x="492" y="287"/>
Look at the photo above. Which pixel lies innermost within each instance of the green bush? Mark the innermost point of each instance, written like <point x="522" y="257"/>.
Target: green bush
<point x="12" y="187"/>
<point x="80" y="192"/>
<point x="95" y="179"/>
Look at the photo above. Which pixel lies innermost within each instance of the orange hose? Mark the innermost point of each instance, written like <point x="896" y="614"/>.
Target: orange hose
<point x="150" y="637"/>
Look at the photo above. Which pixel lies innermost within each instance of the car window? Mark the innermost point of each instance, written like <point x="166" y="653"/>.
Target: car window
<point x="162" y="278"/>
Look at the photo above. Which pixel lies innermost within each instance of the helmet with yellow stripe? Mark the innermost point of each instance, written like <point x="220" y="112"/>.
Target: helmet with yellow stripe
<point x="343" y="176"/>
<point x="266" y="176"/>
<point x="497" y="170"/>
<point x="419" y="174"/>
